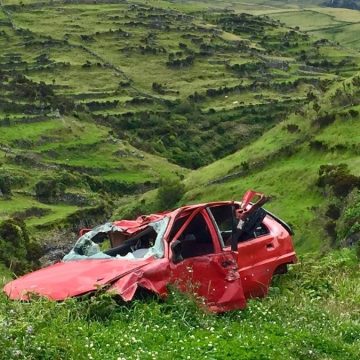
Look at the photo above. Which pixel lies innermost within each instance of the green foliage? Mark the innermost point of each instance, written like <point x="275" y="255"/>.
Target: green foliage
<point x="338" y="178"/>
<point x="310" y="313"/>
<point x="349" y="222"/>
<point x="5" y="185"/>
<point x="325" y="120"/>
<point x="170" y="192"/>
<point x="17" y="251"/>
<point x="49" y="190"/>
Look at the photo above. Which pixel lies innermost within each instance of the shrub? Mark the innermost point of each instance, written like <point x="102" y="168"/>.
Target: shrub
<point x="49" y="190"/>
<point x="349" y="221"/>
<point x="245" y="165"/>
<point x="316" y="107"/>
<point x="333" y="212"/>
<point x="330" y="228"/>
<point x="353" y="113"/>
<point x="159" y="88"/>
<point x="317" y="145"/>
<point x="292" y="128"/>
<point x="170" y="192"/>
<point x="358" y="250"/>
<point x="5" y="185"/>
<point x="17" y="251"/>
<point x="325" y="120"/>
<point x="180" y="63"/>
<point x="184" y="108"/>
<point x="338" y="178"/>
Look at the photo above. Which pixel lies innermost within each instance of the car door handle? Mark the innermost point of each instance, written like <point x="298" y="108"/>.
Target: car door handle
<point x="270" y="246"/>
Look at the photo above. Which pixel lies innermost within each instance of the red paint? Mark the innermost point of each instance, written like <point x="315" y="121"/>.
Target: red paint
<point x="214" y="277"/>
<point x="225" y="279"/>
<point x="72" y="278"/>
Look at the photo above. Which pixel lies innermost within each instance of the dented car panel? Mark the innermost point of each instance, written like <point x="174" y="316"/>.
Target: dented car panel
<point x="222" y="252"/>
<point x="259" y="258"/>
<point x="68" y="279"/>
<point x="215" y="278"/>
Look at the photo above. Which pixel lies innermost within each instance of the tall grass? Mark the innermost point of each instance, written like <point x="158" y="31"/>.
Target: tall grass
<point x="313" y="312"/>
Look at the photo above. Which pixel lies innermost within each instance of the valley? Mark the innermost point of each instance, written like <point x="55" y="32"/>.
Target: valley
<point x="115" y="109"/>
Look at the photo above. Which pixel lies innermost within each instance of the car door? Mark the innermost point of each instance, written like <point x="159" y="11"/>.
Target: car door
<point x="257" y="253"/>
<point x="256" y="259"/>
<point x="203" y="268"/>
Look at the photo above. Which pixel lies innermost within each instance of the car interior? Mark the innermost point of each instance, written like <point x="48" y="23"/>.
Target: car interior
<point x="253" y="228"/>
<point x="196" y="239"/>
<point x="143" y="240"/>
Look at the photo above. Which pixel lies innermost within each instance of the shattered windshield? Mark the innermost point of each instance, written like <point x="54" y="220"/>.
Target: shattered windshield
<point x="141" y="245"/>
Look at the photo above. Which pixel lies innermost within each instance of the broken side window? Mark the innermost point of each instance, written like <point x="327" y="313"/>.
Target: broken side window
<point x="147" y="243"/>
<point x="196" y="239"/>
<point x="223" y="216"/>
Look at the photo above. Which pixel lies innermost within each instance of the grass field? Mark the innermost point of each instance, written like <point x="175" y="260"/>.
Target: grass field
<point x="310" y="313"/>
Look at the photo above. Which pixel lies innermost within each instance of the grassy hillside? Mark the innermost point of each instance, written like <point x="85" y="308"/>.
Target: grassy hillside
<point x="323" y="19"/>
<point x="311" y="313"/>
<point x="103" y="102"/>
<point x="165" y="80"/>
<point x="286" y="162"/>
<point x="95" y="97"/>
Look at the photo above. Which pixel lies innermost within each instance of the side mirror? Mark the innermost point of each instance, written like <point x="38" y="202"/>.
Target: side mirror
<point x="176" y="248"/>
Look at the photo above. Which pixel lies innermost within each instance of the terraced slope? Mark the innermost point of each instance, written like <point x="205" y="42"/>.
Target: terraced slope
<point x="309" y="164"/>
<point x="172" y="83"/>
<point x="286" y="163"/>
<point x="95" y="96"/>
<point x="55" y="160"/>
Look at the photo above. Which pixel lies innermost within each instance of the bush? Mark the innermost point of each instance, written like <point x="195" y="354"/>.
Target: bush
<point x="338" y="178"/>
<point x="17" y="251"/>
<point x="292" y="128"/>
<point x="358" y="250"/>
<point x="184" y="108"/>
<point x="325" y="120"/>
<point x="353" y="113"/>
<point x="48" y="190"/>
<point x="333" y="212"/>
<point x="318" y="145"/>
<point x="5" y="185"/>
<point x="349" y="222"/>
<point x="170" y="192"/>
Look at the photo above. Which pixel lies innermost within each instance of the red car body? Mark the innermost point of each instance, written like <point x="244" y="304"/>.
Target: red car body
<point x="224" y="252"/>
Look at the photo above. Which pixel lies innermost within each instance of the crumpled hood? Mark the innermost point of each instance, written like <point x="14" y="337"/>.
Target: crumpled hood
<point x="72" y="278"/>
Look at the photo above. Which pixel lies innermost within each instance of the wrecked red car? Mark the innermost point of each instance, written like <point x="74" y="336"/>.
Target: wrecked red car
<point x="225" y="252"/>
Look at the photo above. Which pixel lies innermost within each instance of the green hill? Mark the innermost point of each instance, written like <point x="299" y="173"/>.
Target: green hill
<point x="103" y="99"/>
<point x="286" y="162"/>
<point x="112" y="109"/>
<point x="308" y="163"/>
